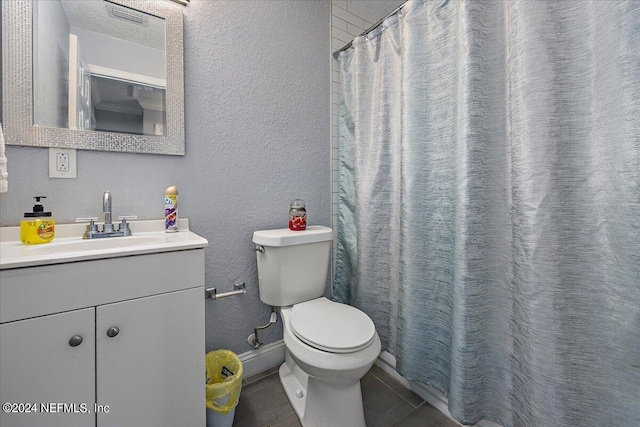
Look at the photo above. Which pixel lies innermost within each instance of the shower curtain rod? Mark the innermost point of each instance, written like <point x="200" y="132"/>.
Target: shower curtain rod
<point x="368" y="30"/>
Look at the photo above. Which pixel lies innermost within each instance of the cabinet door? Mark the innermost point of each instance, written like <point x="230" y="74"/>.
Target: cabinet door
<point x="152" y="372"/>
<point x="40" y="364"/>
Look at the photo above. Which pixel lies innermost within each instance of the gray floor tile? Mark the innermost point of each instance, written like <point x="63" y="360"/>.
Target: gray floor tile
<point x="291" y="421"/>
<point x="262" y="403"/>
<point x="386" y="403"/>
<point x="382" y="406"/>
<point x="426" y="416"/>
<point x="386" y="378"/>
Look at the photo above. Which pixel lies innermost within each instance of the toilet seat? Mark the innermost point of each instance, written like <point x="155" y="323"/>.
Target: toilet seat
<point x="332" y="327"/>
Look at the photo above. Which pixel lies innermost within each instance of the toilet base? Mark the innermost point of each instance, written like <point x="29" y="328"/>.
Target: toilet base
<point x="322" y="402"/>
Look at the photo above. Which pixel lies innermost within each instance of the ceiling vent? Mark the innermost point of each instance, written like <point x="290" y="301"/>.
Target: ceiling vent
<point x="126" y="14"/>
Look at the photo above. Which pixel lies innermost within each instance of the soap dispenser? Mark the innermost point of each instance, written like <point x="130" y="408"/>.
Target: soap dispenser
<point x="39" y="227"/>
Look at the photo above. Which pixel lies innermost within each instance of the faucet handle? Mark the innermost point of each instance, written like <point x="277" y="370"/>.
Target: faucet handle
<point x="87" y="219"/>
<point x="91" y="227"/>
<point x="124" y="227"/>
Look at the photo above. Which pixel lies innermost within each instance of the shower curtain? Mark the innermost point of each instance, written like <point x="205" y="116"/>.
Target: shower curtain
<point x="489" y="204"/>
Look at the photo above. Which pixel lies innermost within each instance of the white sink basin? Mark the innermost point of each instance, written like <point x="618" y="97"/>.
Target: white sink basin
<point x="69" y="246"/>
<point x="73" y="245"/>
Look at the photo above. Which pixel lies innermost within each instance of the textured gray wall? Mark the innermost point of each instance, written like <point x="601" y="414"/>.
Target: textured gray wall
<point x="257" y="131"/>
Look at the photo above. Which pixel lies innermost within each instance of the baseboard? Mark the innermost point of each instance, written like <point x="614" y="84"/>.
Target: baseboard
<point x="266" y="357"/>
<point x="433" y="397"/>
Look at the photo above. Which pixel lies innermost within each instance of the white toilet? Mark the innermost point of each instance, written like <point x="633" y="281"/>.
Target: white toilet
<point x="329" y="346"/>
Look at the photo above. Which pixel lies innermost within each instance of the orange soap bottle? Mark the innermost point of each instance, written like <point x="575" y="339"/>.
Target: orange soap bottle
<point x="39" y="227"/>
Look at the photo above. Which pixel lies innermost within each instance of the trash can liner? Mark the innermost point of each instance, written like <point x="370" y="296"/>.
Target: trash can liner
<point x="224" y="380"/>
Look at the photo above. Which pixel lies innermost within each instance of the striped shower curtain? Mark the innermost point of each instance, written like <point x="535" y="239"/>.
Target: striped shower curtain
<point x="489" y="213"/>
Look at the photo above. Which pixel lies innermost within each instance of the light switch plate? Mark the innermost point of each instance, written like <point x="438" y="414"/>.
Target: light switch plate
<point x="62" y="163"/>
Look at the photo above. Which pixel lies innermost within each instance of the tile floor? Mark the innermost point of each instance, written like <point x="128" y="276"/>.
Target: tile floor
<point x="386" y="403"/>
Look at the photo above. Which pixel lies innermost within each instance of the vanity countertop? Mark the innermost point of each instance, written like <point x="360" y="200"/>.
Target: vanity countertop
<point x="148" y="236"/>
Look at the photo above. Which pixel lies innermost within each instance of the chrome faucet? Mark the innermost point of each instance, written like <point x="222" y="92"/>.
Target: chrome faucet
<point x="108" y="229"/>
<point x="106" y="208"/>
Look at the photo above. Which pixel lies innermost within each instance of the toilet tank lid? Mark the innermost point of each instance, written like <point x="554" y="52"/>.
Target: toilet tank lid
<point x="286" y="237"/>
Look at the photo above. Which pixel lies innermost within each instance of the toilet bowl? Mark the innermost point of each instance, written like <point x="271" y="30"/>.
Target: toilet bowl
<point x="323" y="384"/>
<point x="329" y="346"/>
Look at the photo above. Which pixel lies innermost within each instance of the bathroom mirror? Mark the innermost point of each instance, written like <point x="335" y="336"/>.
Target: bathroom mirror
<point x="93" y="74"/>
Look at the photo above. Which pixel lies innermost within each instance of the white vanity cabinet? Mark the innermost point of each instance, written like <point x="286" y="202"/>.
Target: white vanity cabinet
<point x="39" y="366"/>
<point x="152" y="372"/>
<point x="141" y="355"/>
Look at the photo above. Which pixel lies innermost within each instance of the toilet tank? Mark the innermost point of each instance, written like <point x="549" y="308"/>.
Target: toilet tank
<point x="294" y="265"/>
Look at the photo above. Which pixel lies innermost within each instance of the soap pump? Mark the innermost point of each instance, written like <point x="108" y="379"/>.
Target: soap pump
<point x="39" y="228"/>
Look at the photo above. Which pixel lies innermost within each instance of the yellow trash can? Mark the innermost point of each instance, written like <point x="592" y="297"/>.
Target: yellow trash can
<point x="224" y="382"/>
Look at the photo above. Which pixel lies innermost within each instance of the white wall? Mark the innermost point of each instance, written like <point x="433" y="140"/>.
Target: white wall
<point x="106" y="51"/>
<point x="257" y="136"/>
<point x="51" y="68"/>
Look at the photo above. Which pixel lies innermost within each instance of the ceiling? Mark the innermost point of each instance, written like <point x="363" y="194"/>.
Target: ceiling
<point x="93" y="15"/>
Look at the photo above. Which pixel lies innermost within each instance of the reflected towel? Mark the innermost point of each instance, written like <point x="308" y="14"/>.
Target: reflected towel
<point x="3" y="165"/>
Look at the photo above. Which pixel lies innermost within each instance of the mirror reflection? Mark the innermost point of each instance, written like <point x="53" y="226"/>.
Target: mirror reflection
<point x="98" y="66"/>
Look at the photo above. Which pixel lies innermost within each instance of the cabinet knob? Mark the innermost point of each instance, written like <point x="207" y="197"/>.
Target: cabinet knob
<point x="113" y="331"/>
<point x="75" y="341"/>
